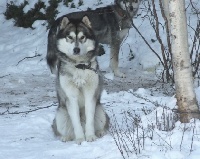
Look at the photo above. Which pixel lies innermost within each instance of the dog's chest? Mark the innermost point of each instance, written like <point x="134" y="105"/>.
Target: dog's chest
<point x="81" y="77"/>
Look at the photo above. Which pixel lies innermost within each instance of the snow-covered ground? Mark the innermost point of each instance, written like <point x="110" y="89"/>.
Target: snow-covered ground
<point x="136" y="104"/>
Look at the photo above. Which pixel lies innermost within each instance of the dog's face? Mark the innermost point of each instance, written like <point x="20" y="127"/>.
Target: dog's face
<point x="129" y="5"/>
<point x="75" y="37"/>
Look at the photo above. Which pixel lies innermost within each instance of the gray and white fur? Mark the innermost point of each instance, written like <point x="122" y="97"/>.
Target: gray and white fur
<point x="110" y="25"/>
<point x="80" y="115"/>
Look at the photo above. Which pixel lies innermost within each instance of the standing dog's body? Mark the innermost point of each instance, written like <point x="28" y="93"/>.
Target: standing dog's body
<point x="80" y="116"/>
<point x="110" y="25"/>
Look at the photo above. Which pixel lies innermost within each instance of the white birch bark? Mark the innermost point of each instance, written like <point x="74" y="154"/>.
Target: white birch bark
<point x="186" y="98"/>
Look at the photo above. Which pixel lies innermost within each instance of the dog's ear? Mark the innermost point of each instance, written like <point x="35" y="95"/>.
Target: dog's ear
<point x="86" y="21"/>
<point x="64" y="22"/>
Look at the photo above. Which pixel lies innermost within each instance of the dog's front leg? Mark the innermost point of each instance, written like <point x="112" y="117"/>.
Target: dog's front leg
<point x="72" y="93"/>
<point x="114" y="57"/>
<point x="90" y="106"/>
<point x="74" y="114"/>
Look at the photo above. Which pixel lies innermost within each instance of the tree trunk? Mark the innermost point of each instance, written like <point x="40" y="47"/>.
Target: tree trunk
<point x="185" y="95"/>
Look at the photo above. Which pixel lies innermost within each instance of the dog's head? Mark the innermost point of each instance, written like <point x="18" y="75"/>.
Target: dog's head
<point x="75" y="37"/>
<point x="131" y="6"/>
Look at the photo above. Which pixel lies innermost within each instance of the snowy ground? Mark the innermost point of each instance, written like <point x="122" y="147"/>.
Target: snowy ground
<point x="28" y="102"/>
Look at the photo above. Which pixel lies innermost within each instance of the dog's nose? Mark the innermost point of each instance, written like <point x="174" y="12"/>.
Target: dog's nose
<point x="131" y="8"/>
<point x="76" y="50"/>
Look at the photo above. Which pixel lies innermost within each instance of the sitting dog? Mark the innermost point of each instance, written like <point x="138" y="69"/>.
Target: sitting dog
<point x="79" y="116"/>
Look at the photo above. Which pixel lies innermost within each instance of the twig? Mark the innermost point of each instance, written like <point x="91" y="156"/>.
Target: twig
<point x="167" y="28"/>
<point x="157" y="31"/>
<point x="28" y="58"/>
<point x="196" y="62"/>
<point x="182" y="136"/>
<point x="4" y="76"/>
<point x="192" y="137"/>
<point x="196" y="10"/>
<point x="3" y="113"/>
<point x="147" y="43"/>
<point x="113" y="130"/>
<point x="28" y="111"/>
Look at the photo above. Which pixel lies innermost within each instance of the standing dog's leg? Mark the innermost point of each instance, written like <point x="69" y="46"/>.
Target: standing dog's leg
<point x="114" y="57"/>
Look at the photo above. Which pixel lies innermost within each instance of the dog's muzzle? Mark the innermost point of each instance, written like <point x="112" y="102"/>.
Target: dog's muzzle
<point x="76" y="51"/>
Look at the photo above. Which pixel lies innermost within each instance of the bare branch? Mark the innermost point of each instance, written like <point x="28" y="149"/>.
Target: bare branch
<point x="36" y="55"/>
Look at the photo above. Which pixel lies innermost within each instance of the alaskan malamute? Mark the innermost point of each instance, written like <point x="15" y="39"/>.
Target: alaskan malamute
<point x="79" y="116"/>
<point x="110" y="25"/>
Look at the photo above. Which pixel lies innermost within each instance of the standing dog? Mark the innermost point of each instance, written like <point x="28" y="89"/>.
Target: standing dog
<point x="110" y="25"/>
<point x="80" y="116"/>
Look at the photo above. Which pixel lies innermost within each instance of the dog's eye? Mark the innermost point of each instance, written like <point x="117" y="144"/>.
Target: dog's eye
<point x="69" y="37"/>
<point x="82" y="37"/>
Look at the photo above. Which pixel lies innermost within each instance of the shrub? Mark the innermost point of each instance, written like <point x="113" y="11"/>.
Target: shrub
<point x="22" y="19"/>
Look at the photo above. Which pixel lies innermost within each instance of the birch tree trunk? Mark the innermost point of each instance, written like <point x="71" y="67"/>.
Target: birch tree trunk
<point x="185" y="95"/>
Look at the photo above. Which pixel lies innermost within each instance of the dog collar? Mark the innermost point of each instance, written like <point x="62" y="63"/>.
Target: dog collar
<point x="121" y="12"/>
<point x="84" y="66"/>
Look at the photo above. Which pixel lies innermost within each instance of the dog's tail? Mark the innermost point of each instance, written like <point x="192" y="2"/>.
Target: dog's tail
<point x="54" y="127"/>
<point x="52" y="49"/>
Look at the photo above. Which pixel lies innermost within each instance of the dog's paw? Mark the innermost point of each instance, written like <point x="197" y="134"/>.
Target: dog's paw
<point x="66" y="138"/>
<point x="117" y="73"/>
<point x="80" y="140"/>
<point x="91" y="138"/>
<point x="100" y="133"/>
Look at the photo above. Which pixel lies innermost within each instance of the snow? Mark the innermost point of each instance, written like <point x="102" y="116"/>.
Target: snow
<point x="138" y="106"/>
